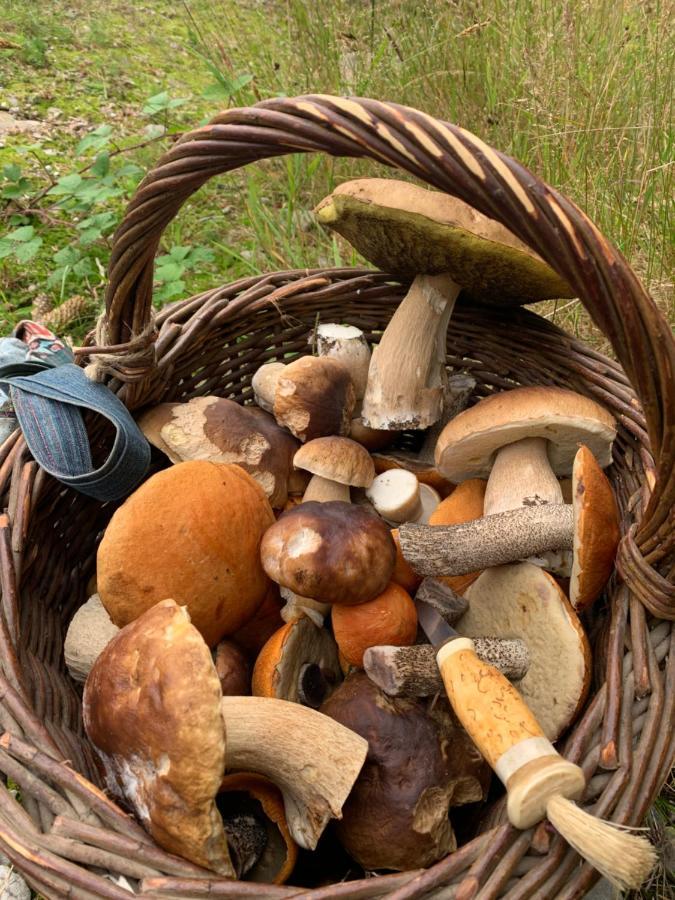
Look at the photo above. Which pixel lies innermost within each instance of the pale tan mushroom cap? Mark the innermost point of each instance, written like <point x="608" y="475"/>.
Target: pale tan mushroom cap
<point x="152" y="708"/>
<point x="408" y="230"/>
<point x="523" y="601"/>
<point x="467" y="445"/>
<point x="338" y="459"/>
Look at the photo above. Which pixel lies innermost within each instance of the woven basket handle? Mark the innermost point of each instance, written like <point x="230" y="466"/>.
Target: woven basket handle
<point x="452" y="160"/>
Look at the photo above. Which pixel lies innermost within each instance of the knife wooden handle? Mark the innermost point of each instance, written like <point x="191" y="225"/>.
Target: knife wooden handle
<point x="507" y="734"/>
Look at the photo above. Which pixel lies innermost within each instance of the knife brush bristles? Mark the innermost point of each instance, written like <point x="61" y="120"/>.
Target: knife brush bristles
<point x="624" y="859"/>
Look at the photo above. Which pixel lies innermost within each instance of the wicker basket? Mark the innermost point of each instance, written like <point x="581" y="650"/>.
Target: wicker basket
<point x="66" y="834"/>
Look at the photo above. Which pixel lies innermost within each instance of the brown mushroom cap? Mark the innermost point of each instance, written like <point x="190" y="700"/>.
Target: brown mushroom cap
<point x="531" y="606"/>
<point x="191" y="532"/>
<point x="468" y="443"/>
<point x="152" y="708"/>
<point x="396" y="816"/>
<point x="314" y="397"/>
<point x="333" y="552"/>
<point x="337" y="459"/>
<point x="233" y="668"/>
<point x="298" y="663"/>
<point x="408" y="230"/>
<point x="222" y="431"/>
<point x="596" y="530"/>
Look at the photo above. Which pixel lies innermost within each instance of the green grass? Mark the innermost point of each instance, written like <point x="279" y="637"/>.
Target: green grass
<point x="580" y="91"/>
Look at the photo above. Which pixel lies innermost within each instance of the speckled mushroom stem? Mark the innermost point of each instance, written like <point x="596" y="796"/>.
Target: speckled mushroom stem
<point x="490" y="541"/>
<point x="407" y="375"/>
<point x="521" y="476"/>
<point x="413" y="671"/>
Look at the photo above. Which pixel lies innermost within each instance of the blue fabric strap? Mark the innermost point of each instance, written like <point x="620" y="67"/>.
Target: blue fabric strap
<point x="47" y="405"/>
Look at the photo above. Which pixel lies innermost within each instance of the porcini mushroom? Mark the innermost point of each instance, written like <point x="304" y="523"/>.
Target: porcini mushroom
<point x="349" y="346"/>
<point x="390" y="618"/>
<point x="222" y="431"/>
<point x="168" y="756"/>
<point x="532" y="607"/>
<point x="298" y="663"/>
<point x="446" y="246"/>
<point x="398" y="497"/>
<point x="191" y="532"/>
<point x="336" y="463"/>
<point x="332" y="552"/>
<point x="396" y="816"/>
<point x="588" y="527"/>
<point x="311" y="396"/>
<point x="90" y="631"/>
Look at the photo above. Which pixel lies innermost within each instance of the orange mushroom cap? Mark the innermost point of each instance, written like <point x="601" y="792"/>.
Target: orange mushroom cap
<point x="388" y="619"/>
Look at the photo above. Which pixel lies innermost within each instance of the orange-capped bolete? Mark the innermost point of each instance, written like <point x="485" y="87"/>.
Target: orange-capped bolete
<point x="523" y="601"/>
<point x="388" y="619"/>
<point x="154" y="709"/>
<point x="191" y="532"/>
<point x="312" y="396"/>
<point x="582" y="535"/>
<point x="333" y="552"/>
<point x="417" y="767"/>
<point x="298" y="663"/>
<point x="446" y="246"/>
<point x="222" y="431"/>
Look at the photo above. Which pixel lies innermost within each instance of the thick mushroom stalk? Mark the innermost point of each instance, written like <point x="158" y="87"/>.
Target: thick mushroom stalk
<point x="314" y="760"/>
<point x="521" y="476"/>
<point x="407" y="375"/>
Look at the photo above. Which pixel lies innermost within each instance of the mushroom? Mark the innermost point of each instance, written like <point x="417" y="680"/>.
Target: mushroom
<point x="589" y="527"/>
<point x="463" y="505"/>
<point x="398" y="496"/>
<point x="311" y="396"/>
<point x="446" y="246"/>
<point x="349" y="346"/>
<point x="532" y="607"/>
<point x="396" y="816"/>
<point x="220" y="430"/>
<point x="90" y="630"/>
<point x="254" y="798"/>
<point x="332" y="552"/>
<point x="233" y="668"/>
<point x="403" y="573"/>
<point x="153" y="708"/>
<point x="388" y="619"/>
<point x="191" y="532"/>
<point x="335" y="463"/>
<point x="298" y="663"/>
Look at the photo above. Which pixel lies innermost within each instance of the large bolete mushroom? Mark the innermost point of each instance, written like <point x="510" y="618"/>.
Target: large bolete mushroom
<point x="191" y="532"/>
<point x="154" y="710"/>
<point x="222" y="431"/>
<point x="446" y="246"/>
<point x="396" y="816"/>
<point x="333" y="552"/>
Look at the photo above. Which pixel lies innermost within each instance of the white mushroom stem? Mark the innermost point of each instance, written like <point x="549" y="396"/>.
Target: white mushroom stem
<point x="413" y="671"/>
<point x="310" y="757"/>
<point x="395" y="494"/>
<point x="348" y="345"/>
<point x="323" y="490"/>
<point x="407" y="373"/>
<point x="521" y="476"/>
<point x="490" y="541"/>
<point x="90" y="631"/>
<point x="264" y="384"/>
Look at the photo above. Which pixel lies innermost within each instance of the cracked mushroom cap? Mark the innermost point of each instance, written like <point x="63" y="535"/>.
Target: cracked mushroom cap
<point x="396" y="816"/>
<point x="314" y="397"/>
<point x="337" y="459"/>
<point x="334" y="552"/>
<point x="222" y="431"/>
<point x="298" y="663"/>
<point x="408" y="230"/>
<point x="151" y="707"/>
<point x="467" y="445"/>
<point x="532" y="607"/>
<point x="596" y="530"/>
<point x="191" y="532"/>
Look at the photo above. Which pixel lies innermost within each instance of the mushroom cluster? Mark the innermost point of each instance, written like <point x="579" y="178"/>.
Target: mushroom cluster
<point x="253" y="662"/>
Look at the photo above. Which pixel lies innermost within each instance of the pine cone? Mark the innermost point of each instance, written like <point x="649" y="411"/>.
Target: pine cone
<point x="42" y="305"/>
<point x="66" y="313"/>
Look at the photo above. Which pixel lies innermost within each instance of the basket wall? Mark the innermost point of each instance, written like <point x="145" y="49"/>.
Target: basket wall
<point x="68" y="832"/>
